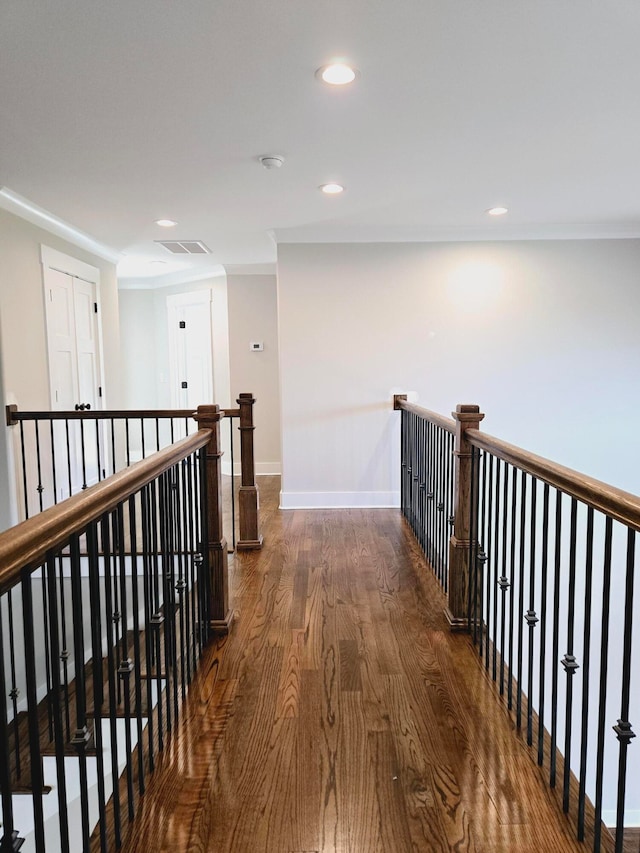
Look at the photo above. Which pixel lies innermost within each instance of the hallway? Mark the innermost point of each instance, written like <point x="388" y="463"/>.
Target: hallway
<point x="340" y="714"/>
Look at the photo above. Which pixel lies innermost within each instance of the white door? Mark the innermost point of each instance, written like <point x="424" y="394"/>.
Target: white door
<point x="74" y="372"/>
<point x="190" y="349"/>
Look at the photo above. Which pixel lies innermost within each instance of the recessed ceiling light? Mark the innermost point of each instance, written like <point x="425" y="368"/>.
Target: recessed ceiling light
<point x="166" y="223"/>
<point x="337" y="74"/>
<point x="497" y="211"/>
<point x="332" y="189"/>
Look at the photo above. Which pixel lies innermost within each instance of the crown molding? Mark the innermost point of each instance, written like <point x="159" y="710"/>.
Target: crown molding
<point x="25" y="209"/>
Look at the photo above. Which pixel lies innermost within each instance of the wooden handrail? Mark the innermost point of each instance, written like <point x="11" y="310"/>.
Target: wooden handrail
<point x="400" y="403"/>
<point x="620" y="505"/>
<point x="26" y="545"/>
<point x="14" y="415"/>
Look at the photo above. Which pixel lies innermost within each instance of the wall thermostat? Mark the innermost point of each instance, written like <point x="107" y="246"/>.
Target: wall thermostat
<point x="256" y="346"/>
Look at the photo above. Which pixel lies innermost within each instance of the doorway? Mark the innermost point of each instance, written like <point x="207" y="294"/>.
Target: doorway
<point x="190" y="349"/>
<point x="74" y="336"/>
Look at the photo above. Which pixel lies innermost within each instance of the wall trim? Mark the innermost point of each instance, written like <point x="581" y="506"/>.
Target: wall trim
<point x="339" y="500"/>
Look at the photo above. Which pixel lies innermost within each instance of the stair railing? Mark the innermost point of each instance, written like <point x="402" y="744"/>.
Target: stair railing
<point x="540" y="569"/>
<point x="107" y="600"/>
<point x="58" y="454"/>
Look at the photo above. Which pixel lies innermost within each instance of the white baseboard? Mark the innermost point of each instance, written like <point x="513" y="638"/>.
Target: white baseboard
<point x="338" y="500"/>
<point x="262" y="468"/>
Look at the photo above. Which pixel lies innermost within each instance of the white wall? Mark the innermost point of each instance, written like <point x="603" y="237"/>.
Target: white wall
<point x="542" y="335"/>
<point x="139" y="349"/>
<point x="253" y="316"/>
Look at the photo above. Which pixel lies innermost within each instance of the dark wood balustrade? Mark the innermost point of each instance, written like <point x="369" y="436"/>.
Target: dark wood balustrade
<point x="535" y="553"/>
<point x="107" y="601"/>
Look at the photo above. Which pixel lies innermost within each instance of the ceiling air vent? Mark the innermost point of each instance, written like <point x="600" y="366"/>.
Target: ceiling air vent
<point x="185" y="247"/>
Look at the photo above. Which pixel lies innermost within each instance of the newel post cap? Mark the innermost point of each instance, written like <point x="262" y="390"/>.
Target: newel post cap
<point x="207" y="414"/>
<point x="467" y="413"/>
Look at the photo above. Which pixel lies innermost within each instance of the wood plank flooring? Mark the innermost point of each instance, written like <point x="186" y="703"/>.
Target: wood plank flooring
<point x="341" y="715"/>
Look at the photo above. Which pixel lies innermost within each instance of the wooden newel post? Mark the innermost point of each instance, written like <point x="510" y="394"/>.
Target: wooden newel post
<point x="466" y="417"/>
<point x="220" y="616"/>
<point x="248" y="498"/>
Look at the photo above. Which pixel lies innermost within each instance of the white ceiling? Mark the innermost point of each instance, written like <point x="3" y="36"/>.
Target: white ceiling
<point x="113" y="114"/>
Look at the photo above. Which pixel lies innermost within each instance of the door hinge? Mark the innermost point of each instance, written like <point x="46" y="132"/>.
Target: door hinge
<point x="95" y="307"/>
<point x="99" y="390"/>
<point x="183" y="385"/>
<point x="182" y="324"/>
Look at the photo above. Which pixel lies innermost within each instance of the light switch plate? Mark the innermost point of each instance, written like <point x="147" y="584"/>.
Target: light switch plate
<point x="256" y="346"/>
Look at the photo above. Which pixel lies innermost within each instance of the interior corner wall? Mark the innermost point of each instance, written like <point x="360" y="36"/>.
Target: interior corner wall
<point x="23" y="352"/>
<point x="253" y="317"/>
<point x="542" y="335"/>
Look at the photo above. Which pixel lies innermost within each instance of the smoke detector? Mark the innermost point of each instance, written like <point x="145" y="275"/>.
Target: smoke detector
<point x="272" y="161"/>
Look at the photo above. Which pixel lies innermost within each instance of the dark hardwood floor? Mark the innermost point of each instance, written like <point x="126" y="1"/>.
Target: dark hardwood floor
<point x="341" y="715"/>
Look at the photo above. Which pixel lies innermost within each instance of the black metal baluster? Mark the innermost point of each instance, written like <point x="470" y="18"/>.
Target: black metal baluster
<point x="424" y="475"/>
<point x="84" y="456"/>
<point x="157" y="434"/>
<point x="204" y="580"/>
<point x="193" y="548"/>
<point x="437" y="512"/>
<point x="142" y="441"/>
<point x="97" y="672"/>
<point x="127" y="441"/>
<point x="602" y="702"/>
<point x="10" y="840"/>
<point x="158" y="617"/>
<point x="149" y="630"/>
<point x="233" y="485"/>
<point x="555" y="655"/>
<point x="81" y="735"/>
<point x="472" y="588"/>
<point x="37" y="782"/>
<point x="512" y="585"/>
<point x="64" y="652"/>
<point x="494" y="572"/>
<point x="23" y="456"/>
<point x="125" y="666"/>
<point x="15" y="690"/>
<point x="68" y="444"/>
<point x="586" y="659"/>
<point x="170" y="583"/>
<point x="105" y="524"/>
<point x="543" y="620"/>
<point x="503" y="581"/>
<point x="623" y="729"/>
<point x="404" y="459"/>
<point x="113" y="445"/>
<point x="523" y="526"/>
<point x="98" y="452"/>
<point x="116" y="614"/>
<point x="482" y="556"/>
<point x="181" y="582"/>
<point x="59" y="738"/>
<point x="137" y="657"/>
<point x="489" y="555"/>
<point x="53" y="462"/>
<point x="39" y="487"/>
<point x="569" y="661"/>
<point x="531" y="617"/>
<point x="449" y="509"/>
